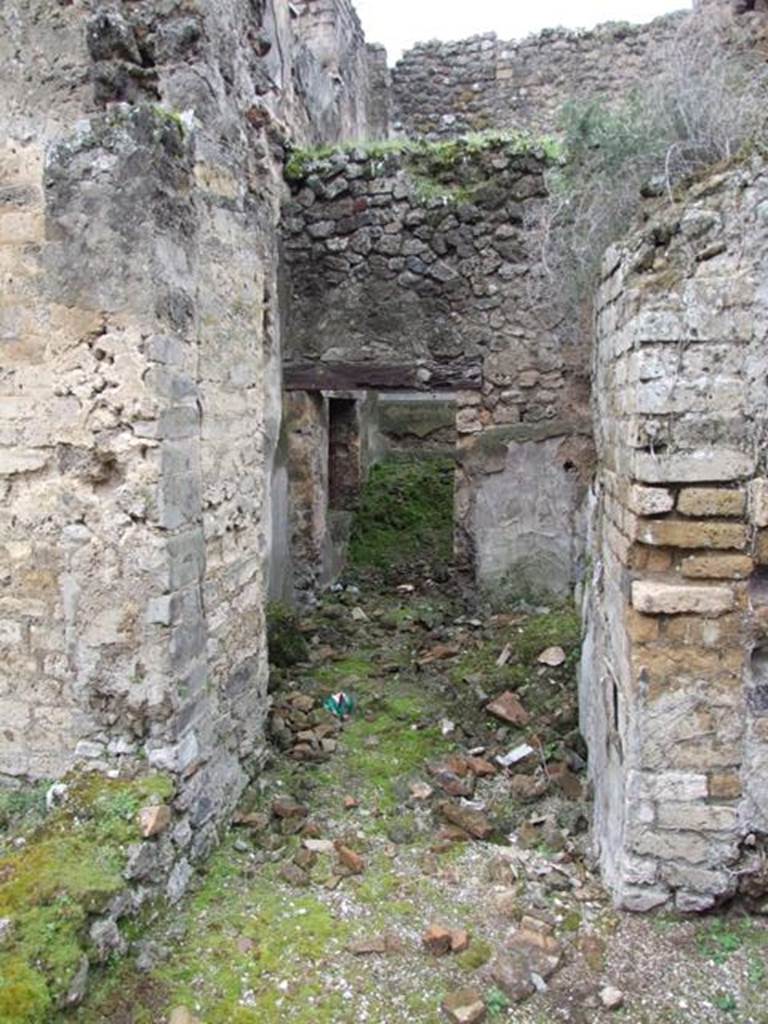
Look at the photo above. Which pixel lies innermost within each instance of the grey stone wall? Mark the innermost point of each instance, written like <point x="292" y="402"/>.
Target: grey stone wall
<point x="141" y="152"/>
<point x="404" y="259"/>
<point x="481" y="83"/>
<point x="672" y="678"/>
<point x="344" y="82"/>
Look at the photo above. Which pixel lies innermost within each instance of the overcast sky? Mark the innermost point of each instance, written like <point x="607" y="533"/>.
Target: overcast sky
<point x="398" y="24"/>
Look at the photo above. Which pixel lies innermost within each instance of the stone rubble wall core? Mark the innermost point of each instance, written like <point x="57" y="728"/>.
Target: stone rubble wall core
<point x="388" y="266"/>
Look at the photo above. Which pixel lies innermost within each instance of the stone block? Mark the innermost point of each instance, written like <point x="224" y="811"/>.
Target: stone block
<point x="650" y="559"/>
<point x="650" y="501"/>
<point x="14" y="461"/>
<point x="758" y="501"/>
<point x="700" y="880"/>
<point x="717" y="566"/>
<point x="672" y="785"/>
<point x="712" y="465"/>
<point x="697" y="817"/>
<point x="725" y="630"/>
<point x="11" y="633"/>
<point x="667" y="845"/>
<point x="658" y="598"/>
<point x="642" y="629"/>
<point x="725" y="785"/>
<point x="684" y="533"/>
<point x="711" y="501"/>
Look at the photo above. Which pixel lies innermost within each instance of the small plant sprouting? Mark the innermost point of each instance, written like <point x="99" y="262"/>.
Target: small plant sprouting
<point x="496" y="1002"/>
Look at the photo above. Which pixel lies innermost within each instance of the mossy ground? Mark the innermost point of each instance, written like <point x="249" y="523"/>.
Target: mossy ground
<point x="62" y="868"/>
<point x="405" y="514"/>
<point x="246" y="947"/>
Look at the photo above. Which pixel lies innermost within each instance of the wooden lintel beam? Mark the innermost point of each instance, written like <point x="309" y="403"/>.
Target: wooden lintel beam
<point x="458" y="375"/>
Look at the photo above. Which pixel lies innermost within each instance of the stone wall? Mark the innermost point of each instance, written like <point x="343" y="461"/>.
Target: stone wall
<point x="487" y="83"/>
<point x="140" y="419"/>
<point x="343" y="81"/>
<point x="426" y="263"/>
<point x="673" y="698"/>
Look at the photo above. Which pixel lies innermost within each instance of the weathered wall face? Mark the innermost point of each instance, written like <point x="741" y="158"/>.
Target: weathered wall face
<point x="484" y="82"/>
<point x="415" y="265"/>
<point x="141" y="169"/>
<point x="343" y="81"/>
<point x="673" y="701"/>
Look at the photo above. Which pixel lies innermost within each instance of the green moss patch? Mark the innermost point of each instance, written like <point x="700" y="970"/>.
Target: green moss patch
<point x="406" y="514"/>
<point x="68" y="870"/>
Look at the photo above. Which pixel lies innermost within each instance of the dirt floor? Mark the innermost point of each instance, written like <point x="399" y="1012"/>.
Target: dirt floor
<point x="349" y="849"/>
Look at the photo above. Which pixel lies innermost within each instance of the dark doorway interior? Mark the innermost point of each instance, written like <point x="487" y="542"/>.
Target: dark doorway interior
<point x="344" y="467"/>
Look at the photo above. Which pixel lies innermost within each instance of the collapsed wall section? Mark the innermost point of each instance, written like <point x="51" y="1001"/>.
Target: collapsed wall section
<point x="673" y="697"/>
<point x="420" y="268"/>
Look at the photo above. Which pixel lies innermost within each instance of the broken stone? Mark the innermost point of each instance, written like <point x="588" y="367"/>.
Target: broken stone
<point x="480" y="767"/>
<point x="440" y="652"/>
<point x="527" y="787"/>
<point x="421" y="790"/>
<point x="287" y="807"/>
<point x="358" y="615"/>
<point x="508" y="708"/>
<point x="453" y="834"/>
<point x="518" y="754"/>
<point x="512" y="975"/>
<point x="303" y="752"/>
<point x="611" y="998"/>
<point x="182" y="1015"/>
<point x="504" y="657"/>
<point x="305" y="858"/>
<point x="319" y="845"/>
<point x="566" y="781"/>
<point x="552" y="657"/>
<point x="254" y="821"/>
<point x="437" y="940"/>
<point x="294" y="875"/>
<point x="302" y="702"/>
<point x="465" y="1006"/>
<point x="385" y="943"/>
<point x="453" y="785"/>
<point x="350" y="802"/>
<point x="459" y="940"/>
<point x="474" y="822"/>
<point x="542" y="953"/>
<point x="79" y="984"/>
<point x="349" y="859"/>
<point x="154" y="820"/>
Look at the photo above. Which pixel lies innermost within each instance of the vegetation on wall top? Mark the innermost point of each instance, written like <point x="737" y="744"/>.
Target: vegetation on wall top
<point x="444" y="156"/>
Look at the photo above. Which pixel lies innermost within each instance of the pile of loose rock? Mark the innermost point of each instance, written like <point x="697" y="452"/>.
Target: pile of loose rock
<point x="303" y="729"/>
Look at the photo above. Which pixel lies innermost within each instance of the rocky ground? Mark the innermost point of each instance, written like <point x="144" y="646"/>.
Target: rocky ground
<point x="426" y="859"/>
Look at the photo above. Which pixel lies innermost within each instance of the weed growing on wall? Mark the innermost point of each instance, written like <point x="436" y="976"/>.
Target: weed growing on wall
<point x="710" y="106"/>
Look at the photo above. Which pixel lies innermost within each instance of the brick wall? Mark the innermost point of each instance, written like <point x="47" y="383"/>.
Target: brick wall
<point x="672" y="698"/>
